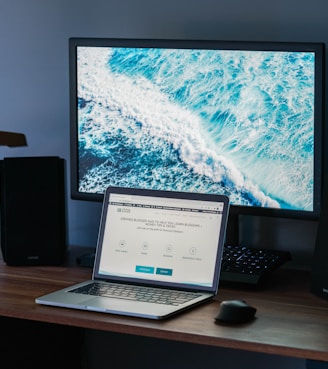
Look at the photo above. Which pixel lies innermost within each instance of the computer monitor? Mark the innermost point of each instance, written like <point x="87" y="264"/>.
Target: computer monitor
<point x="243" y="119"/>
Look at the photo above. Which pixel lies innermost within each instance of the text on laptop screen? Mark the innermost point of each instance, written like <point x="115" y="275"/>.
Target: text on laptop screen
<point x="161" y="239"/>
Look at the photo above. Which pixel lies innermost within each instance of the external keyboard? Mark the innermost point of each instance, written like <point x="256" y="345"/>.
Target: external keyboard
<point x="250" y="266"/>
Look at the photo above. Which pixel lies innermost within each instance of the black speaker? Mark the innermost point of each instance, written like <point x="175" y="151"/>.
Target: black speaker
<point x="33" y="210"/>
<point x="319" y="273"/>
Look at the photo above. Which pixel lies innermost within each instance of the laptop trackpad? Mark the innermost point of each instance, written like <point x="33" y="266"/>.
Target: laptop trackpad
<point x="107" y="303"/>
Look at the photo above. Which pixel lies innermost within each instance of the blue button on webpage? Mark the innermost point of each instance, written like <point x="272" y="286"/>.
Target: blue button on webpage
<point x="164" y="271"/>
<point x="145" y="269"/>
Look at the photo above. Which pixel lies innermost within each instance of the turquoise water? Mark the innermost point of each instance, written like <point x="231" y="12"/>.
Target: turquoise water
<point x="232" y="122"/>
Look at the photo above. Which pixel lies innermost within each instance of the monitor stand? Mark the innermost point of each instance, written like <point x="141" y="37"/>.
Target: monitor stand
<point x="232" y="232"/>
<point x="86" y="259"/>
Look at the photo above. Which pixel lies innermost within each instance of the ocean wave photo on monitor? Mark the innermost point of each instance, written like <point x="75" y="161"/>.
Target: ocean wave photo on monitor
<point x="230" y="122"/>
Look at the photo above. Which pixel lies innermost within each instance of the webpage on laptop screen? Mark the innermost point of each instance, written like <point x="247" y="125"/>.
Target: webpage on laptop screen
<point x="161" y="239"/>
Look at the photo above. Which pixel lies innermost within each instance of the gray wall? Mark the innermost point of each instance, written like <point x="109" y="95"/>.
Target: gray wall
<point x="34" y="74"/>
<point x="34" y="78"/>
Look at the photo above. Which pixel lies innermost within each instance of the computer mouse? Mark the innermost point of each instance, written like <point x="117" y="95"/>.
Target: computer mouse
<point x="235" y="311"/>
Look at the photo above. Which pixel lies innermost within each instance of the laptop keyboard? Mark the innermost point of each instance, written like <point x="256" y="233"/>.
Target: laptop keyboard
<point x="136" y="293"/>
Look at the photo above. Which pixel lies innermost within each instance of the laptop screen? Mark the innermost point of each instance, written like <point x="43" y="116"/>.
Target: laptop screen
<point x="160" y="239"/>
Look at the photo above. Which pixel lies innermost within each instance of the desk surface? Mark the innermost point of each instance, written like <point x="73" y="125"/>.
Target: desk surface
<point x="290" y="321"/>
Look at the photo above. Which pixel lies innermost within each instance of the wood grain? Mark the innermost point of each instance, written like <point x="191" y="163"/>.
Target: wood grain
<point x="290" y="321"/>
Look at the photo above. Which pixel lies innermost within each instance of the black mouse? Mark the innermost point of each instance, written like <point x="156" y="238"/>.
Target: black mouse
<point x="235" y="311"/>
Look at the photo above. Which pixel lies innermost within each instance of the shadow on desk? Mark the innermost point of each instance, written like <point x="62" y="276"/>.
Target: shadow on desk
<point x="30" y="344"/>
<point x="104" y="349"/>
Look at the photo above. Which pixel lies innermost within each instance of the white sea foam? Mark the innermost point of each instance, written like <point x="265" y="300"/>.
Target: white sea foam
<point x="133" y="107"/>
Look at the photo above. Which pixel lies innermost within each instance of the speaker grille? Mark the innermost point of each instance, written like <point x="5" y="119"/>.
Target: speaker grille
<point x="33" y="221"/>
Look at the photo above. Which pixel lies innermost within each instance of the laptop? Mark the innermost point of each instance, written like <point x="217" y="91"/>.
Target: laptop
<point x="166" y="245"/>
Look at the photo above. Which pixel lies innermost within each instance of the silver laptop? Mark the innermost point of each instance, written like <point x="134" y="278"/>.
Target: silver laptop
<point x="158" y="253"/>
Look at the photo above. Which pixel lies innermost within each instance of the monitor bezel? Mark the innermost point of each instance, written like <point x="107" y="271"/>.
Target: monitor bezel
<point x="316" y="47"/>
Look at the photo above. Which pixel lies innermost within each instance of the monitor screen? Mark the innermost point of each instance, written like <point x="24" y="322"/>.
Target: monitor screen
<point x="242" y="119"/>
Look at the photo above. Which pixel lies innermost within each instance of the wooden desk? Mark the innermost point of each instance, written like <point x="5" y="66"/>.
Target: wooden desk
<point x="290" y="321"/>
